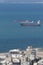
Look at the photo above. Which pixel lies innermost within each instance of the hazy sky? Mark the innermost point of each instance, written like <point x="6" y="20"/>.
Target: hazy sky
<point x="21" y="1"/>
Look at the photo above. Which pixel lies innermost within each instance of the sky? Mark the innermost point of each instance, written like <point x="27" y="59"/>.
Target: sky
<point x="19" y="1"/>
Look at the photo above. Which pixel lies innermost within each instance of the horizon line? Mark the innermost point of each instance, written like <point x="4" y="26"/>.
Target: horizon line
<point x="21" y="2"/>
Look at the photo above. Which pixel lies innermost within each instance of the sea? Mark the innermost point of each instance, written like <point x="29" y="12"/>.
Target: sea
<point x="12" y="34"/>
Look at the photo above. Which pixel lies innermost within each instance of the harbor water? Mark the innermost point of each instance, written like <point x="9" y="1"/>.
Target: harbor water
<point x="12" y="34"/>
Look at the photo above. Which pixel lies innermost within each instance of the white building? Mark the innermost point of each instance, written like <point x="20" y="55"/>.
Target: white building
<point x="40" y="62"/>
<point x="2" y="60"/>
<point x="15" y="53"/>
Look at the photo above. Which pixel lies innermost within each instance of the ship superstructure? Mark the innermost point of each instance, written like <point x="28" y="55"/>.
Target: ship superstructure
<point x="28" y="23"/>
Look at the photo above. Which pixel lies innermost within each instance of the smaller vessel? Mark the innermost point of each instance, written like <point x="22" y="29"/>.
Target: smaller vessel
<point x="28" y="23"/>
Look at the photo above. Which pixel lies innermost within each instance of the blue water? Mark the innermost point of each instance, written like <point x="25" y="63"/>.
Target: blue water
<point x="12" y="35"/>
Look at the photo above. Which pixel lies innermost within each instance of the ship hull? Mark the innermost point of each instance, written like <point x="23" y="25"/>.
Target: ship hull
<point x="23" y="24"/>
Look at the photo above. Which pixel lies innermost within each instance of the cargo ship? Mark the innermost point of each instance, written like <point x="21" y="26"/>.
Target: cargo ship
<point x="28" y="23"/>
